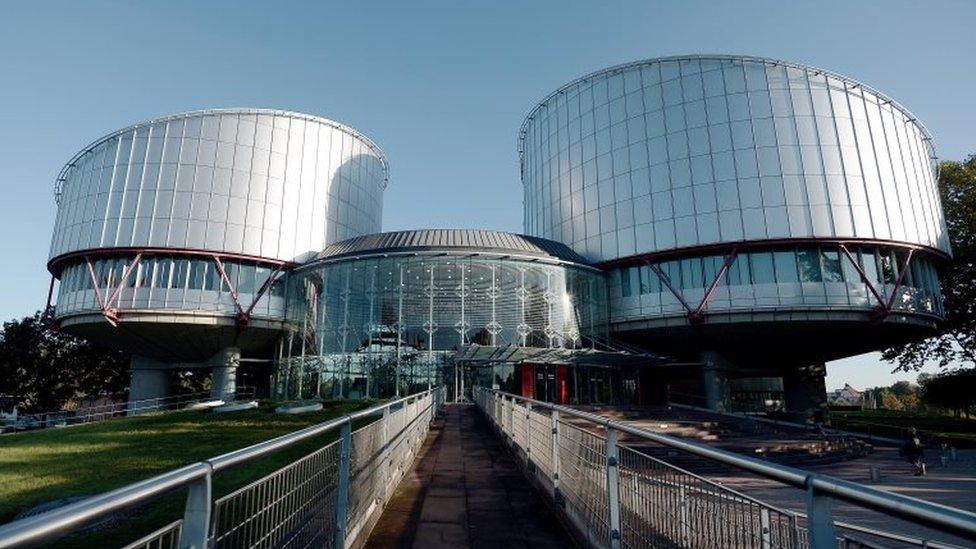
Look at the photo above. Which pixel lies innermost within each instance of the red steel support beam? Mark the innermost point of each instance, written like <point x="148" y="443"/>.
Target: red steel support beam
<point x="117" y="294"/>
<point x="884" y="308"/>
<point x="110" y="316"/>
<point x="667" y="283"/>
<point x="48" y="316"/>
<point x="108" y="305"/>
<point x="864" y="276"/>
<point x="264" y="288"/>
<point x="242" y="318"/>
<point x="699" y="314"/>
<point x="901" y="278"/>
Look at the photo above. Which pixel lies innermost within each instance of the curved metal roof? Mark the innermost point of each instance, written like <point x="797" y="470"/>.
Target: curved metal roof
<point x="62" y="175"/>
<point x="719" y="57"/>
<point x="451" y="240"/>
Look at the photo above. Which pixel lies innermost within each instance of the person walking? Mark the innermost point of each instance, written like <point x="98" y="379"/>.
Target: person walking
<point x="914" y="452"/>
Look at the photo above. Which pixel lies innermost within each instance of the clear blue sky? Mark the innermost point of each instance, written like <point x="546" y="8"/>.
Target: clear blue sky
<point x="441" y="86"/>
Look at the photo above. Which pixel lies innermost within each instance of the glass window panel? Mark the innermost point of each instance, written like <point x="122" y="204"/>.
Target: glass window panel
<point x="212" y="279"/>
<point x="762" y="267"/>
<point x="245" y="281"/>
<point x="785" y="264"/>
<point x="672" y="273"/>
<point x="869" y="263"/>
<point x="650" y="283"/>
<point x="808" y="261"/>
<point x="738" y="273"/>
<point x="832" y="270"/>
<point x="888" y="268"/>
<point x="196" y="275"/>
<point x="181" y="268"/>
<point x="691" y="273"/>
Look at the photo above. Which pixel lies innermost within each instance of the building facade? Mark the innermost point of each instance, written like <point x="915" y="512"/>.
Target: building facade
<point x="174" y="234"/>
<point x="755" y="214"/>
<point x="420" y="299"/>
<point x="706" y="229"/>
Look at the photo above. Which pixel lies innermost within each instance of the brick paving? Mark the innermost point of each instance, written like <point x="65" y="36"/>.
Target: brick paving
<point x="466" y="491"/>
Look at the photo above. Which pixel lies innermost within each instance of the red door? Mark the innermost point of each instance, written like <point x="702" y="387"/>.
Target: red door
<point x="528" y="380"/>
<point x="562" y="384"/>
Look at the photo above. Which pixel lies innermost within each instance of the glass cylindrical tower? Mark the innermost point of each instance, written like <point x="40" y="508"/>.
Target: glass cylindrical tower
<point x="173" y="236"/>
<point x="760" y="195"/>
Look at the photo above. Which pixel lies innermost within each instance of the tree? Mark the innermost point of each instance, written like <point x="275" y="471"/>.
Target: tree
<point x="44" y="368"/>
<point x="890" y="401"/>
<point x="955" y="390"/>
<point x="957" y="341"/>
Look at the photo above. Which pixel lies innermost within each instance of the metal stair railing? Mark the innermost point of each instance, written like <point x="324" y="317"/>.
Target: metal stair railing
<point x="616" y="496"/>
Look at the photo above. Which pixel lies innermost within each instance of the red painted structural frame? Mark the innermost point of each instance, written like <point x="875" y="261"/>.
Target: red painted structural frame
<point x="697" y="315"/>
<point x="882" y="311"/>
<point x="111" y="310"/>
<point x="884" y="308"/>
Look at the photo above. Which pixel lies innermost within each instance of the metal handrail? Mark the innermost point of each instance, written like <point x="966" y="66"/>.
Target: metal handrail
<point x="47" y="526"/>
<point x="102" y="412"/>
<point x="916" y="510"/>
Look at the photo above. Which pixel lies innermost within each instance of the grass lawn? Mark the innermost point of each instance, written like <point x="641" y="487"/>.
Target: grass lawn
<point x="41" y="466"/>
<point x="889" y="423"/>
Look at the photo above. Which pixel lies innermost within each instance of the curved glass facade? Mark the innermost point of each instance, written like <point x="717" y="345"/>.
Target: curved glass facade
<point x="174" y="283"/>
<point x="690" y="151"/>
<point x="263" y="183"/>
<point x="417" y="310"/>
<point x="797" y="277"/>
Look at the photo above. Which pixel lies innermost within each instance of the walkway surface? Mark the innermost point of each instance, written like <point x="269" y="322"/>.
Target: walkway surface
<point x="465" y="490"/>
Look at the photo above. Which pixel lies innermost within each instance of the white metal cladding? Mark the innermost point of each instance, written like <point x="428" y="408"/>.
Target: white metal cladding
<point x="686" y="151"/>
<point x="262" y="183"/>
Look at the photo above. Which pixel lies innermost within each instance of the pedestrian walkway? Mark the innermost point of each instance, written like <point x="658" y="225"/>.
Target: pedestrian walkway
<point x="465" y="491"/>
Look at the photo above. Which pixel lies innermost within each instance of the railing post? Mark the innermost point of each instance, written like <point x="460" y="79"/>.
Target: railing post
<point x="387" y="452"/>
<point x="613" y="487"/>
<point x="342" y="488"/>
<point x="820" y="524"/>
<point x="554" y="457"/>
<point x="684" y="517"/>
<point x="196" y="514"/>
<point x="767" y="539"/>
<point x="511" y="419"/>
<point x="527" y="429"/>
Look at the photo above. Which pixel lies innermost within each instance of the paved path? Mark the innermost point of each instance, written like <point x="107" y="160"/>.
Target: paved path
<point x="953" y="484"/>
<point x="466" y="491"/>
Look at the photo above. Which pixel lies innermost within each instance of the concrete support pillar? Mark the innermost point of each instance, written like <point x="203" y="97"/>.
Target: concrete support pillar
<point x="715" y="381"/>
<point x="806" y="393"/>
<point x="223" y="381"/>
<point x="150" y="379"/>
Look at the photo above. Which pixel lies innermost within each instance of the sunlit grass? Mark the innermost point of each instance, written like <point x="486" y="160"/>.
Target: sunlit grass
<point x="42" y="466"/>
<point x="959" y="432"/>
